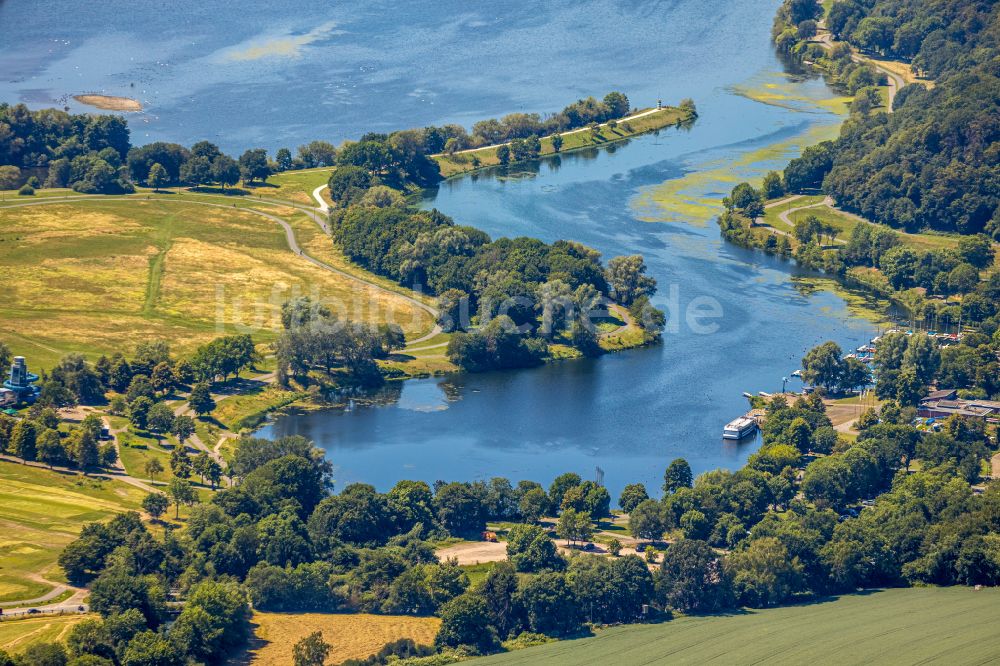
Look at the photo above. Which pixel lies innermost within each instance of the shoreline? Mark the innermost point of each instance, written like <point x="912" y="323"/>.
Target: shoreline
<point x="673" y="117"/>
<point x="305" y="401"/>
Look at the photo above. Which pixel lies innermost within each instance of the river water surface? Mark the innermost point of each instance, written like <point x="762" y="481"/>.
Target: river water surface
<point x="288" y="72"/>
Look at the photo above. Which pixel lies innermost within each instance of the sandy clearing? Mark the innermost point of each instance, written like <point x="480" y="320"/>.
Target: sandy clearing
<point x="474" y="552"/>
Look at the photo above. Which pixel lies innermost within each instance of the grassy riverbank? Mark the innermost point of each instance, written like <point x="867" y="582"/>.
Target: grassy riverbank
<point x="782" y="214"/>
<point x="648" y="120"/>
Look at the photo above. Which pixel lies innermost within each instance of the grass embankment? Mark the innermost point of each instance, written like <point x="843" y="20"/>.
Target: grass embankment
<point x="8" y="197"/>
<point x="465" y="161"/>
<point x="137" y="449"/>
<point x="17" y="635"/>
<point x="249" y="409"/>
<point x="909" y="626"/>
<point x="41" y="512"/>
<point x="294" y="186"/>
<point x="812" y="205"/>
<point x="96" y="275"/>
<point x="353" y="636"/>
<point x="317" y="244"/>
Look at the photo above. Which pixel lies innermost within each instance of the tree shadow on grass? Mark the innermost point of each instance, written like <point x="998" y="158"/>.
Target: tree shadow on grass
<point x="803" y="601"/>
<point x="211" y="420"/>
<point x="813" y="601"/>
<point x="239" y="386"/>
<point x="249" y="651"/>
<point x="226" y="191"/>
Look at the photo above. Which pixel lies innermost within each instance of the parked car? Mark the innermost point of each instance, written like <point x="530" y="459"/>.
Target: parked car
<point x="589" y="547"/>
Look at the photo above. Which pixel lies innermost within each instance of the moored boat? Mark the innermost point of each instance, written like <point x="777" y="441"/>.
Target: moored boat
<point x="739" y="428"/>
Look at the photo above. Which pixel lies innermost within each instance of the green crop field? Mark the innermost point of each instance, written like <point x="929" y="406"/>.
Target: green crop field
<point x="97" y="275"/>
<point x="907" y="626"/>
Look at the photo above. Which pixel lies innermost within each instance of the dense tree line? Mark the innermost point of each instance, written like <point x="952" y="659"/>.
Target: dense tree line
<point x="924" y="281"/>
<point x="93" y="154"/>
<point x="795" y="26"/>
<point x="30" y="139"/>
<point x="581" y="113"/>
<point x="933" y="162"/>
<point x="786" y="526"/>
<point x="38" y="436"/>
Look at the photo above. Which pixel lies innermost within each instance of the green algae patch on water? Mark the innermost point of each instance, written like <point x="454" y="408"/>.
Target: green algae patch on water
<point x="859" y="303"/>
<point x="696" y="197"/>
<point x="780" y="90"/>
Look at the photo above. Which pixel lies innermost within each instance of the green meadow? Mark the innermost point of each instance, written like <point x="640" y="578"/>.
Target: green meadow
<point x="901" y="626"/>
<point x="42" y="511"/>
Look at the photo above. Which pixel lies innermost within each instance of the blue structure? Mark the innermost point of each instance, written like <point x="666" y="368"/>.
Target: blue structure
<point x="22" y="382"/>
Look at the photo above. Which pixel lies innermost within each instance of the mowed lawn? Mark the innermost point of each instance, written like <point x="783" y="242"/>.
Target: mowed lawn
<point x="351" y="636"/>
<point x="41" y="512"/>
<point x="294" y="186"/>
<point x="845" y="223"/>
<point x="908" y="626"/>
<point x="97" y="276"/>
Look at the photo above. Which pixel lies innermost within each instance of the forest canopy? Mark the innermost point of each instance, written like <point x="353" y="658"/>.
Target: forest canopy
<point x="934" y="162"/>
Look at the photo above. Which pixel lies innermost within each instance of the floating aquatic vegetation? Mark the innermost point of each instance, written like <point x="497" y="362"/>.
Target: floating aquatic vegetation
<point x="696" y="196"/>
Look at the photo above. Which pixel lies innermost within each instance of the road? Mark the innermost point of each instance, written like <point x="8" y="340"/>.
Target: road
<point x="785" y="216"/>
<point x="318" y="196"/>
<point x="896" y="82"/>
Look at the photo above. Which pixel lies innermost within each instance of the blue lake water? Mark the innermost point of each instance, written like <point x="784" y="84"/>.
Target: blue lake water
<point x="284" y="73"/>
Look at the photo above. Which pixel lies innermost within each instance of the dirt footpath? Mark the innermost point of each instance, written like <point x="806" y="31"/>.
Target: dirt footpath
<point x="474" y="552"/>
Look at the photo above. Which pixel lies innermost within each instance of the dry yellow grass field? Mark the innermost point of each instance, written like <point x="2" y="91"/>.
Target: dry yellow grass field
<point x="17" y="635"/>
<point x="96" y="276"/>
<point x="351" y="636"/>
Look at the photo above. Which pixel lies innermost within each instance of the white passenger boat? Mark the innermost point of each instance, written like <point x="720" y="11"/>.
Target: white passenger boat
<point x="739" y="428"/>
